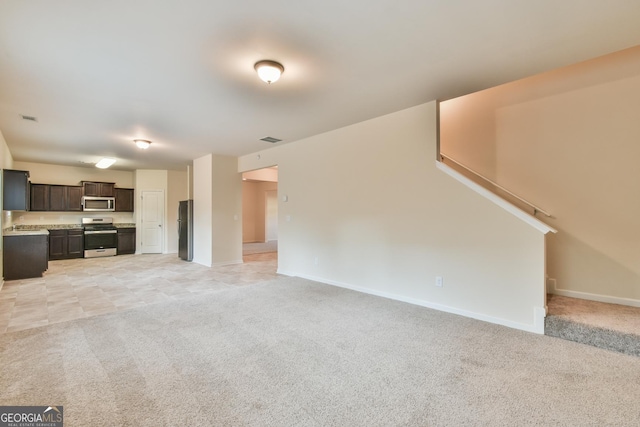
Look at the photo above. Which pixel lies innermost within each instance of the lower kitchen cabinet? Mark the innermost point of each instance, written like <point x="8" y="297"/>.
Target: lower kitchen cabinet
<point x="66" y="244"/>
<point x="25" y="256"/>
<point x="75" y="243"/>
<point x="126" y="241"/>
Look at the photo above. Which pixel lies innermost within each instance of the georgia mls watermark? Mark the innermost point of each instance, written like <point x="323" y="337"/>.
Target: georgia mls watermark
<point x="31" y="416"/>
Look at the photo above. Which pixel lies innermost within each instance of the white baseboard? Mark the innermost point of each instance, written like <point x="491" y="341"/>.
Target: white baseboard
<point x="553" y="289"/>
<point x="538" y="312"/>
<point x="220" y="264"/>
<point x="285" y="273"/>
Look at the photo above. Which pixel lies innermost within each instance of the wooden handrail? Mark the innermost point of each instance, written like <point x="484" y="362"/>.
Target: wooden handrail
<point x="535" y="208"/>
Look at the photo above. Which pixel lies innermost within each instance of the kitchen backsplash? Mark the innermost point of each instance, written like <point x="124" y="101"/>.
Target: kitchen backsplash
<point x="40" y="218"/>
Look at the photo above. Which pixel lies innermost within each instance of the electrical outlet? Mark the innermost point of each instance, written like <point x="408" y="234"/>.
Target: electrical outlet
<point x="439" y="281"/>
<point x="315" y="261"/>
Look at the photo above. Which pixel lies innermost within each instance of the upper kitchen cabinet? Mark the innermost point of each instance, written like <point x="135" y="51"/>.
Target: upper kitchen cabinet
<point x="65" y="198"/>
<point x="15" y="196"/>
<point x="39" y="197"/>
<point x="60" y="198"/>
<point x="99" y="189"/>
<point x="124" y="199"/>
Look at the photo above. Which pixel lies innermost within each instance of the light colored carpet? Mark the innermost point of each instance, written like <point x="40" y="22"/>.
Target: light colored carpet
<point x="609" y="326"/>
<point x="291" y="352"/>
<point x="259" y="247"/>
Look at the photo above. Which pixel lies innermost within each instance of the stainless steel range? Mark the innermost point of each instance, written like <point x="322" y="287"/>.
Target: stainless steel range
<point x="100" y="237"/>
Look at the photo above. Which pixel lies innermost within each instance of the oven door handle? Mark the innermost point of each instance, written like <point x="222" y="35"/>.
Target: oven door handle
<point x="102" y="232"/>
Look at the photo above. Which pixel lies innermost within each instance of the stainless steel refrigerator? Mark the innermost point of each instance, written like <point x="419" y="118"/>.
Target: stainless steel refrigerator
<point x="185" y="230"/>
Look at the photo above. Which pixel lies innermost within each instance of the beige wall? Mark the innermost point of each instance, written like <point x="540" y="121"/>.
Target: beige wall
<point x="249" y="211"/>
<point x="217" y="200"/>
<point x="266" y="174"/>
<point x="569" y="141"/>
<point x="253" y="210"/>
<point x="387" y="221"/>
<point x="227" y="211"/>
<point x="202" y="210"/>
<point x="469" y="135"/>
<point x="6" y="159"/>
<point x="6" y="162"/>
<point x="42" y="173"/>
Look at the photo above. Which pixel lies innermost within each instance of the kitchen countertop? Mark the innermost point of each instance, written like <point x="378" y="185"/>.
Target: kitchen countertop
<point x="39" y="232"/>
<point x="30" y="227"/>
<point x="124" y="225"/>
<point x="37" y="227"/>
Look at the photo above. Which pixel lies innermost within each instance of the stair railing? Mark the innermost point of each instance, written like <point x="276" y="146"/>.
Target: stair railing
<point x="535" y="208"/>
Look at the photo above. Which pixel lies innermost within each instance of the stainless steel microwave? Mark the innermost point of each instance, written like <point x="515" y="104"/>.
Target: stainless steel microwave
<point x="98" y="204"/>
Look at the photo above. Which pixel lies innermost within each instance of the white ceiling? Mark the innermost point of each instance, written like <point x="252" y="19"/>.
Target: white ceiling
<point x="98" y="74"/>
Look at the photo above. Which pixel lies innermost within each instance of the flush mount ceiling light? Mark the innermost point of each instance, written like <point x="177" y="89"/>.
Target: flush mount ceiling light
<point x="105" y="162"/>
<point x="143" y="144"/>
<point x="269" y="71"/>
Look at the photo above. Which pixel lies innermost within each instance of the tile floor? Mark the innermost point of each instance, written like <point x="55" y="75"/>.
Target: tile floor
<point x="77" y="288"/>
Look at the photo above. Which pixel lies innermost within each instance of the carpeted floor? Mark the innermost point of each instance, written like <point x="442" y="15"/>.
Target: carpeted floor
<point x="290" y="352"/>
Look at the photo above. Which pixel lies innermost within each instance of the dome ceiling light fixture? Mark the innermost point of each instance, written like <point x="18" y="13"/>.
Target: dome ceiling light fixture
<point x="269" y="71"/>
<point x="142" y="144"/>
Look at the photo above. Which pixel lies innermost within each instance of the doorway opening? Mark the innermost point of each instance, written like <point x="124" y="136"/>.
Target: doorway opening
<point x="260" y="213"/>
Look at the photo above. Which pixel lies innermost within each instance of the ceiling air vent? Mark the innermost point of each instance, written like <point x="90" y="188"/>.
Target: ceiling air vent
<point x="30" y="118"/>
<point x="270" y="139"/>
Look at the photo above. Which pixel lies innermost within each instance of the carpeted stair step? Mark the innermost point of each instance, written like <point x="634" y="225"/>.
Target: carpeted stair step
<point x="608" y="339"/>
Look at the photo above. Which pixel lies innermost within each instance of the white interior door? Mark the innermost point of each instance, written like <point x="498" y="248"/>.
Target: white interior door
<point x="151" y="238"/>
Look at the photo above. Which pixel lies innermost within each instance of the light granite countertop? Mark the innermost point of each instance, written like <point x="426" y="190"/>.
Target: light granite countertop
<point x="38" y="232"/>
<point x="39" y="227"/>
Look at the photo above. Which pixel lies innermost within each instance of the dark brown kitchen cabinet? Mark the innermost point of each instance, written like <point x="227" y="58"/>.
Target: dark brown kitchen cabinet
<point x="74" y="198"/>
<point x="75" y="243"/>
<point x="124" y="199"/>
<point x="60" y="198"/>
<point x="15" y="196"/>
<point x="57" y="244"/>
<point x="65" y="198"/>
<point x="57" y="198"/>
<point x="66" y="244"/>
<point x="39" y="197"/>
<point x="126" y="241"/>
<point x="25" y="256"/>
<point x="98" y="189"/>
